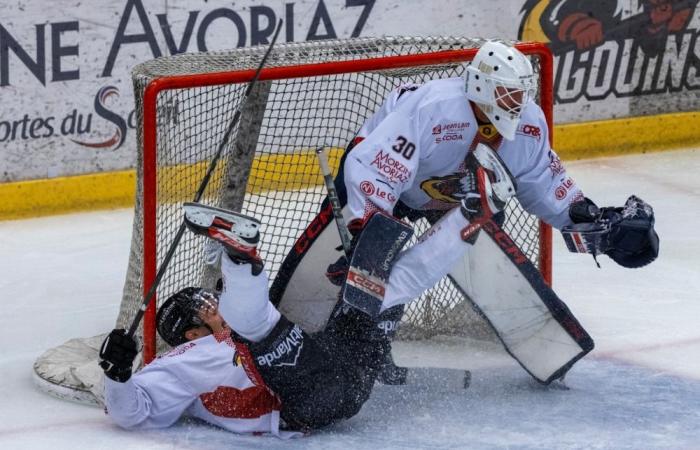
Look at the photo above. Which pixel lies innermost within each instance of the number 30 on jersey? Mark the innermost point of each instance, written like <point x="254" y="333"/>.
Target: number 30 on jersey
<point x="403" y="147"/>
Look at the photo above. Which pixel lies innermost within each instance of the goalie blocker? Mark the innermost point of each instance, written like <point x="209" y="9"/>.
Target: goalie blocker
<point x="377" y="247"/>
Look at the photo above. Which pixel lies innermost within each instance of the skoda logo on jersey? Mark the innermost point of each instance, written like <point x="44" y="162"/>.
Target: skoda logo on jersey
<point x="286" y="350"/>
<point x="449" y="137"/>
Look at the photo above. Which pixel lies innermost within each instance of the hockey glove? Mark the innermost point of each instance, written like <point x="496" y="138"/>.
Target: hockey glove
<point x="490" y="187"/>
<point x="337" y="271"/>
<point x="626" y="234"/>
<point x="117" y="355"/>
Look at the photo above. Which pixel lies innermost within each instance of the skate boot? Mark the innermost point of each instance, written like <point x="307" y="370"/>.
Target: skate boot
<point x="238" y="233"/>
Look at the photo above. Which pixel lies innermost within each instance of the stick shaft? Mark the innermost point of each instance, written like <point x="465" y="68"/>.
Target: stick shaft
<point x="345" y="238"/>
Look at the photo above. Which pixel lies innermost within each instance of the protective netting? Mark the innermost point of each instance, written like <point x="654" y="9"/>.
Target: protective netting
<point x="283" y="121"/>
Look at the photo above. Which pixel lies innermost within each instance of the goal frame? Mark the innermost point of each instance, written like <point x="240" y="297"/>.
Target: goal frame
<point x="150" y="118"/>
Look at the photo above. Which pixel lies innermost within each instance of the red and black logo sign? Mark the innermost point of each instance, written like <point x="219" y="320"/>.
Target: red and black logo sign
<point x="530" y="130"/>
<point x="617" y="47"/>
<point x="447" y="189"/>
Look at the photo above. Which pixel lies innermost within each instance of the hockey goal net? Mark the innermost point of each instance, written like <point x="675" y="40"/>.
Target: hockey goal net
<point x="309" y="95"/>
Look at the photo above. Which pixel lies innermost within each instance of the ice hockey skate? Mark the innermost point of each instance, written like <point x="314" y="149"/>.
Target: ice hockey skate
<point x="238" y="233"/>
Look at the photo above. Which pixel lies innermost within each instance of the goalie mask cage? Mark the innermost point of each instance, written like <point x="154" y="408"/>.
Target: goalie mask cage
<point x="309" y="95"/>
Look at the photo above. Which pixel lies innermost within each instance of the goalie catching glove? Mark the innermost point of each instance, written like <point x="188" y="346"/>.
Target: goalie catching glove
<point x="626" y="234"/>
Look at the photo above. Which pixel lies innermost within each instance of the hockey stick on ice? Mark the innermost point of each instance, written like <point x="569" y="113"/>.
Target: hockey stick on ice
<point x="205" y="181"/>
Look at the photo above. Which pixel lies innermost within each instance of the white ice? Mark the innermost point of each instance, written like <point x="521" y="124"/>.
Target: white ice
<point x="639" y="389"/>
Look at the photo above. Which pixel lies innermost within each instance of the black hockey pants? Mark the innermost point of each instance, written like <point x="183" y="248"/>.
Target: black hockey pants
<point x="324" y="377"/>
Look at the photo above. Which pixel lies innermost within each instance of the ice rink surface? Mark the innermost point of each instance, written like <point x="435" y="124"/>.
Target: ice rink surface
<point x="62" y="277"/>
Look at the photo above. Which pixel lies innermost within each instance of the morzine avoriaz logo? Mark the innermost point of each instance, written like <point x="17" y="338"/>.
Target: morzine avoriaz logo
<point x="617" y="47"/>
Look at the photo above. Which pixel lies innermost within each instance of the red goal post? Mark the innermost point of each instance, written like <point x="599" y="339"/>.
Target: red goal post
<point x="152" y="135"/>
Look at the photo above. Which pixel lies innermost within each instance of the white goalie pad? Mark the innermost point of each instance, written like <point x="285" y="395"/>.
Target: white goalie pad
<point x="309" y="297"/>
<point x="534" y="325"/>
<point x="70" y="371"/>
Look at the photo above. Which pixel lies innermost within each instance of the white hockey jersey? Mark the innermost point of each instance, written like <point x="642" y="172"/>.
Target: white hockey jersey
<point x="413" y="149"/>
<point x="196" y="379"/>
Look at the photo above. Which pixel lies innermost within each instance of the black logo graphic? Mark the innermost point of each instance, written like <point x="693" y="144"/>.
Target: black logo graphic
<point x="450" y="188"/>
<point x="617" y="47"/>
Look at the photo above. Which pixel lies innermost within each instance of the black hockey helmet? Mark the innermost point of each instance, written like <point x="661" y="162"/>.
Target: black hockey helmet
<point x="180" y="312"/>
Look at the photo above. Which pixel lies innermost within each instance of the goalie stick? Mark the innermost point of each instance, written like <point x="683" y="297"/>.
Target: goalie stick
<point x="205" y="181"/>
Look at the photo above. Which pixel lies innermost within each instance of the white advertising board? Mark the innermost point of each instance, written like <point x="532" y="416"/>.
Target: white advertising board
<point x="65" y="89"/>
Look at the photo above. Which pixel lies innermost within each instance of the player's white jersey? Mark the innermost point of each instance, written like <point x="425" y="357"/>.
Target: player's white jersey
<point x="413" y="149"/>
<point x="197" y="379"/>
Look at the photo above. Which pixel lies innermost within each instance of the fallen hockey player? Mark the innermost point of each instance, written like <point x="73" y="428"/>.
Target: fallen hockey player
<point x="196" y="378"/>
<point x="316" y="379"/>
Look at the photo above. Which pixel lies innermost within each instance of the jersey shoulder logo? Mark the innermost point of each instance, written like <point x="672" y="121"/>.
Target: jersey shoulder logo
<point x="529" y="130"/>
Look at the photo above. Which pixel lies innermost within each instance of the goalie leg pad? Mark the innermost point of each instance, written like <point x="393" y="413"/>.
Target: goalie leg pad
<point x="543" y="336"/>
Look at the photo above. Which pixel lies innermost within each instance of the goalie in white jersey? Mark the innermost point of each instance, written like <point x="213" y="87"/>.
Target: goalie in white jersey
<point x="409" y="158"/>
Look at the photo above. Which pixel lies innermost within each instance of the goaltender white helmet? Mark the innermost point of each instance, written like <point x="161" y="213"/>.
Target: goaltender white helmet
<point x="500" y="81"/>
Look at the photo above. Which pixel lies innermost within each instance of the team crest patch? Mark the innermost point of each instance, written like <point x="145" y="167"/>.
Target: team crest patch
<point x="449" y="189"/>
<point x="488" y="131"/>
